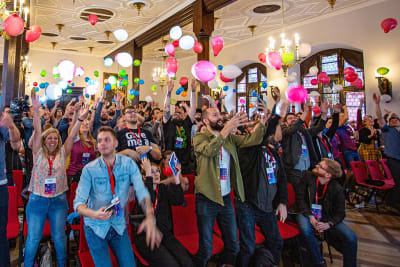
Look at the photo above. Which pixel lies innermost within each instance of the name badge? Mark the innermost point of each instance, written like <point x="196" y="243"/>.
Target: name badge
<point x="117" y="207"/>
<point x="330" y="155"/>
<point x="271" y="176"/>
<point x="50" y="186"/>
<point x="316" y="210"/>
<point x="179" y="142"/>
<point x="223" y="173"/>
<point x="85" y="158"/>
<point x="304" y="150"/>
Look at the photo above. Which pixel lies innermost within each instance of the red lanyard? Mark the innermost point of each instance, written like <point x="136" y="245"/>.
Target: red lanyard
<point x="270" y="156"/>
<point x="301" y="137"/>
<point x="323" y="192"/>
<point x="86" y="148"/>
<point x="323" y="142"/>
<point x="220" y="154"/>
<point x="134" y="135"/>
<point x="179" y="131"/>
<point x="50" y="164"/>
<point x="111" y="175"/>
<point x="156" y="201"/>
<point x="69" y="120"/>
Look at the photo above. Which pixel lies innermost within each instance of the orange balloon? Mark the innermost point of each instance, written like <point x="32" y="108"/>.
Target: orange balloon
<point x="184" y="94"/>
<point x="251" y="105"/>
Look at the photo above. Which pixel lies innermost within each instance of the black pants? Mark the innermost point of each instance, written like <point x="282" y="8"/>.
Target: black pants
<point x="170" y="253"/>
<point x="4" y="249"/>
<point x="393" y="198"/>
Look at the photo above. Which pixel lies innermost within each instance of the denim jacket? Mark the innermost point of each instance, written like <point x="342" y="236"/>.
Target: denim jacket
<point x="94" y="190"/>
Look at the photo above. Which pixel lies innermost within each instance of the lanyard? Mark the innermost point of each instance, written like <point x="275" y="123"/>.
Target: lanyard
<point x="301" y="137"/>
<point x="134" y="135"/>
<point x="178" y="130"/>
<point x="325" y="144"/>
<point x="50" y="164"/>
<point x="69" y="120"/>
<point x="112" y="179"/>
<point x="323" y="192"/>
<point x="270" y="156"/>
<point x="156" y="201"/>
<point x="337" y="137"/>
<point x="86" y="147"/>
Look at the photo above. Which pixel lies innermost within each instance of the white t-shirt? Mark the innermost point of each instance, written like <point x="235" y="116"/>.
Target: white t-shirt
<point x="224" y="171"/>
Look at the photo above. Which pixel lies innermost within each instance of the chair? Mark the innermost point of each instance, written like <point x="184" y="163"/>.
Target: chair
<point x="388" y="173"/>
<point x="184" y="221"/>
<point x="18" y="181"/>
<point x="13" y="222"/>
<point x="191" y="178"/>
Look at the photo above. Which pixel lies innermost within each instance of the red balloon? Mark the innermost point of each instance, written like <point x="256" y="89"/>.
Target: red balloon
<point x="167" y="171"/>
<point x="262" y="57"/>
<point x="357" y="83"/>
<point x="314" y="81"/>
<point x="34" y="83"/>
<point x="13" y="25"/>
<point x="316" y="110"/>
<point x="351" y="77"/>
<point x="198" y="47"/>
<point x="183" y="81"/>
<point x="225" y="80"/>
<point x="323" y="78"/>
<point x="388" y="24"/>
<point x="33" y="33"/>
<point x="176" y="43"/>
<point x="93" y="19"/>
<point x="171" y="64"/>
<point x="217" y="43"/>
<point x="348" y="70"/>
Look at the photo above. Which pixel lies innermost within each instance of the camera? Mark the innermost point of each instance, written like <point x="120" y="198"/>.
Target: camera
<point x="17" y="107"/>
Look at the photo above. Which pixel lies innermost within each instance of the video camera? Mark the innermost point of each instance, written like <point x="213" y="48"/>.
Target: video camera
<point x="17" y="107"/>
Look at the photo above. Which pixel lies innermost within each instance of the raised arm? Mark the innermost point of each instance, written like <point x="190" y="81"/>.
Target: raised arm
<point x="343" y="120"/>
<point x="381" y="120"/>
<point x="167" y="101"/>
<point x="13" y="132"/>
<point x="53" y="110"/>
<point x="75" y="129"/>
<point x="359" y="114"/>
<point x="192" y="110"/>
<point x="37" y="133"/>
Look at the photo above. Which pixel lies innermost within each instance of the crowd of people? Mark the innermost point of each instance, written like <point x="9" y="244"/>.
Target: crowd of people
<point x="117" y="153"/>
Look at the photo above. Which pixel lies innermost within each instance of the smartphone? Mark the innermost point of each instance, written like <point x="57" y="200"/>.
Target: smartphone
<point x="109" y="207"/>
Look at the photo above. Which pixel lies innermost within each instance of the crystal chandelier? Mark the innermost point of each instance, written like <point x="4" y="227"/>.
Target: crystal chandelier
<point x="160" y="74"/>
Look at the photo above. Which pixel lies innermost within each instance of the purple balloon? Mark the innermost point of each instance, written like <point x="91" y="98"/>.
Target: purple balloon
<point x="204" y="71"/>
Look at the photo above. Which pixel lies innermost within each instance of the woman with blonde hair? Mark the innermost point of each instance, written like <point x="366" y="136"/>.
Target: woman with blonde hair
<point x="368" y="137"/>
<point x="48" y="185"/>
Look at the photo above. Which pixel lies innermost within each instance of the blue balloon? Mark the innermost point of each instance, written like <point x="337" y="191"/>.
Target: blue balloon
<point x="132" y="92"/>
<point x="220" y="67"/>
<point x="225" y="88"/>
<point x="141" y="81"/>
<point x="46" y="84"/>
<point x="87" y="79"/>
<point x="107" y="87"/>
<point x="36" y="89"/>
<point x="178" y="92"/>
<point x="72" y="84"/>
<point x="113" y="100"/>
<point x="86" y="95"/>
<point x="120" y="83"/>
<point x="234" y="90"/>
<point x="42" y="85"/>
<point x="254" y="93"/>
<point x="137" y="93"/>
<point x="264" y="84"/>
<point x="126" y="77"/>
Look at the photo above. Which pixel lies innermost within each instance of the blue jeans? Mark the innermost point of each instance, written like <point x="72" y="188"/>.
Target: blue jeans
<point x="39" y="209"/>
<point x="207" y="211"/>
<point x="120" y="246"/>
<point x="248" y="216"/>
<point x="339" y="236"/>
<point x="4" y="249"/>
<point x="350" y="155"/>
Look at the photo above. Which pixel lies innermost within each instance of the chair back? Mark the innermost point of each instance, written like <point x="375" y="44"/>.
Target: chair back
<point x="386" y="169"/>
<point x="18" y="181"/>
<point x="12" y="222"/>
<point x="359" y="172"/>
<point x="374" y="170"/>
<point x="184" y="217"/>
<point x="291" y="195"/>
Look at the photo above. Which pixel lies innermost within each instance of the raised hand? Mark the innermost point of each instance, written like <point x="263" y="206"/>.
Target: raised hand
<point x="146" y="166"/>
<point x="77" y="106"/>
<point x="170" y="86"/>
<point x="36" y="102"/>
<point x="118" y="97"/>
<point x="376" y="98"/>
<point x="193" y="85"/>
<point x="324" y="107"/>
<point x="84" y="111"/>
<point x="6" y="120"/>
<point x="337" y="108"/>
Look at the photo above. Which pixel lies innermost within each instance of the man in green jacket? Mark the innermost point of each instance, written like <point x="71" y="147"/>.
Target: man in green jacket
<point x="217" y="172"/>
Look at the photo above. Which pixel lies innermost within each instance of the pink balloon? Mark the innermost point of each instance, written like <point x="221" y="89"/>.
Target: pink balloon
<point x="33" y="33"/>
<point x="217" y="43"/>
<point x="323" y="78"/>
<point x="348" y="70"/>
<point x="314" y="81"/>
<point x="183" y="81"/>
<point x="170" y="49"/>
<point x="93" y="19"/>
<point x="297" y="94"/>
<point x="242" y="101"/>
<point x="224" y="79"/>
<point x="388" y="24"/>
<point x="274" y="60"/>
<point x="357" y="83"/>
<point x="171" y="64"/>
<point x="351" y="77"/>
<point x="262" y="57"/>
<point x="204" y="71"/>
<point x="13" y="25"/>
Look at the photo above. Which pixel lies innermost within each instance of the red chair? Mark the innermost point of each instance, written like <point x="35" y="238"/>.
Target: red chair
<point x="376" y="173"/>
<point x="18" y="181"/>
<point x="191" y="178"/>
<point x="13" y="222"/>
<point x="388" y="173"/>
<point x="184" y="221"/>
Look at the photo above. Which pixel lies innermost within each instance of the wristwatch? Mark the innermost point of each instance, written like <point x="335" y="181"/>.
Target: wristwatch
<point x="151" y="148"/>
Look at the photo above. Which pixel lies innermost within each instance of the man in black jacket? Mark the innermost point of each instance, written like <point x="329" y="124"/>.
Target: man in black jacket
<point x="299" y="153"/>
<point x="265" y="187"/>
<point x="321" y="203"/>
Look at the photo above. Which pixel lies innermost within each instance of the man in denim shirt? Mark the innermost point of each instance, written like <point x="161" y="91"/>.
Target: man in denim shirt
<point x="102" y="181"/>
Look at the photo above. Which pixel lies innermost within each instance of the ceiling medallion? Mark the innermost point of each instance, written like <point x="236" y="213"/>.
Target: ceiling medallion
<point x="139" y="5"/>
<point x="332" y="3"/>
<point x="252" y="28"/>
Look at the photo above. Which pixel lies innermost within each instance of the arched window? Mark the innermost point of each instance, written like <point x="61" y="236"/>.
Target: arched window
<point x="333" y="62"/>
<point x="249" y="86"/>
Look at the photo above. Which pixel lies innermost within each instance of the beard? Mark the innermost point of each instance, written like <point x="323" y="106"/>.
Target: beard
<point x="111" y="113"/>
<point x="104" y="118"/>
<point x="217" y="126"/>
<point x="316" y="173"/>
<point x="198" y="119"/>
<point x="177" y="121"/>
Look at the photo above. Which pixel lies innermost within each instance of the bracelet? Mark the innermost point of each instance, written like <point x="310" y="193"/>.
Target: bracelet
<point x="80" y="120"/>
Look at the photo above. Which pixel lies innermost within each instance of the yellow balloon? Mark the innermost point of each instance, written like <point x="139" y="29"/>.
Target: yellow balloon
<point x="287" y="57"/>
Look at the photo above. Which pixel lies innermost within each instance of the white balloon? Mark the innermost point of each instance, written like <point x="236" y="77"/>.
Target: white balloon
<point x="175" y="33"/>
<point x="108" y="62"/>
<point x="186" y="42"/>
<point x="314" y="94"/>
<point x="66" y="69"/>
<point x="313" y="70"/>
<point x="55" y="70"/>
<point x="92" y="89"/>
<point x="79" y="72"/>
<point x="386" y="98"/>
<point x="121" y="35"/>
<point x="53" y="92"/>
<point x="124" y="59"/>
<point x="112" y="80"/>
<point x="213" y="84"/>
<point x="63" y="84"/>
<point x="291" y="79"/>
<point x="148" y="98"/>
<point x="304" y="49"/>
<point x="231" y="71"/>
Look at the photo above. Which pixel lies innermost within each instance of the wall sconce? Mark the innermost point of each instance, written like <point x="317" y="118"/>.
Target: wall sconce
<point x="384" y="85"/>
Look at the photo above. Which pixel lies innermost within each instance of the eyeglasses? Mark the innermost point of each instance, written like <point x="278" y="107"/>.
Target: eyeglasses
<point x="155" y="171"/>
<point x="319" y="166"/>
<point x="130" y="111"/>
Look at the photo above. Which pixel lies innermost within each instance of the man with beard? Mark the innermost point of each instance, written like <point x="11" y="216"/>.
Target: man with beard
<point x="197" y="122"/>
<point x="154" y="125"/>
<point x="134" y="141"/>
<point x="217" y="171"/>
<point x="321" y="205"/>
<point x="65" y="121"/>
<point x="102" y="118"/>
<point x="177" y="128"/>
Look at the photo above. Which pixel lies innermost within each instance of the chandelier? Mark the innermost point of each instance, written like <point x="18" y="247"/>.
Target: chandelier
<point x="160" y="74"/>
<point x="290" y="56"/>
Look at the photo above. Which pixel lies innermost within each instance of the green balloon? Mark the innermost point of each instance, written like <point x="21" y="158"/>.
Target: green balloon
<point x="136" y="80"/>
<point x="136" y="62"/>
<point x="174" y="78"/>
<point x="96" y="73"/>
<point x="69" y="91"/>
<point x="43" y="73"/>
<point x="131" y="97"/>
<point x="56" y="76"/>
<point x="124" y="82"/>
<point x="122" y="73"/>
<point x="153" y="88"/>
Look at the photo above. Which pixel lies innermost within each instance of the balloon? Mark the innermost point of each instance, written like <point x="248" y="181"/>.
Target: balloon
<point x="274" y="60"/>
<point x="63" y="84"/>
<point x="297" y="94"/>
<point x="382" y="71"/>
<point x="242" y="101"/>
<point x="231" y="71"/>
<point x="107" y="87"/>
<point x="388" y="24"/>
<point x="112" y="80"/>
<point x="198" y="47"/>
<point x="148" y="99"/>
<point x="225" y="88"/>
<point x="314" y="94"/>
<point x="108" y="62"/>
<point x="125" y="83"/>
<point x="304" y="49"/>
<point x="251" y="105"/>
<point x="136" y="80"/>
<point x="34" y="83"/>
<point x="121" y="35"/>
<point x="357" y="83"/>
<point x="42" y="85"/>
<point x="316" y="110"/>
<point x="69" y="91"/>
<point x="43" y="73"/>
<point x="224" y="79"/>
<point x="93" y="19"/>
<point x="287" y="57"/>
<point x="13" y="25"/>
<point x="175" y="43"/>
<point x="204" y="71"/>
<point x="313" y="70"/>
<point x="386" y="98"/>
<point x="36" y="89"/>
<point x="351" y="77"/>
<point x="323" y="78"/>
<point x="96" y="73"/>
<point x="254" y="93"/>
<point x="53" y="92"/>
<point x="91" y="89"/>
<point x="186" y="42"/>
<point x="348" y="70"/>
<point x="183" y="81"/>
<point x="171" y="64"/>
<point x="132" y="91"/>
<point x="184" y="94"/>
<point x="314" y="81"/>
<point x="137" y="93"/>
<point x="33" y="33"/>
<point x="175" y="33"/>
<point x="122" y="73"/>
<point x="124" y="59"/>
<point x="264" y="85"/>
<point x="66" y="68"/>
<point x="79" y="72"/>
<point x="213" y="84"/>
<point x="262" y="57"/>
<point x="220" y="67"/>
<point x="87" y="95"/>
<point x="136" y="62"/>
<point x="170" y="50"/>
<point x="234" y="90"/>
<point x="153" y="88"/>
<point x="46" y="84"/>
<point x="131" y="97"/>
<point x="217" y="43"/>
<point x="140" y="81"/>
<point x="87" y="79"/>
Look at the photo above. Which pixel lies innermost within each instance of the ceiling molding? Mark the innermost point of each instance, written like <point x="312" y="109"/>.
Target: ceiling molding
<point x="212" y="5"/>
